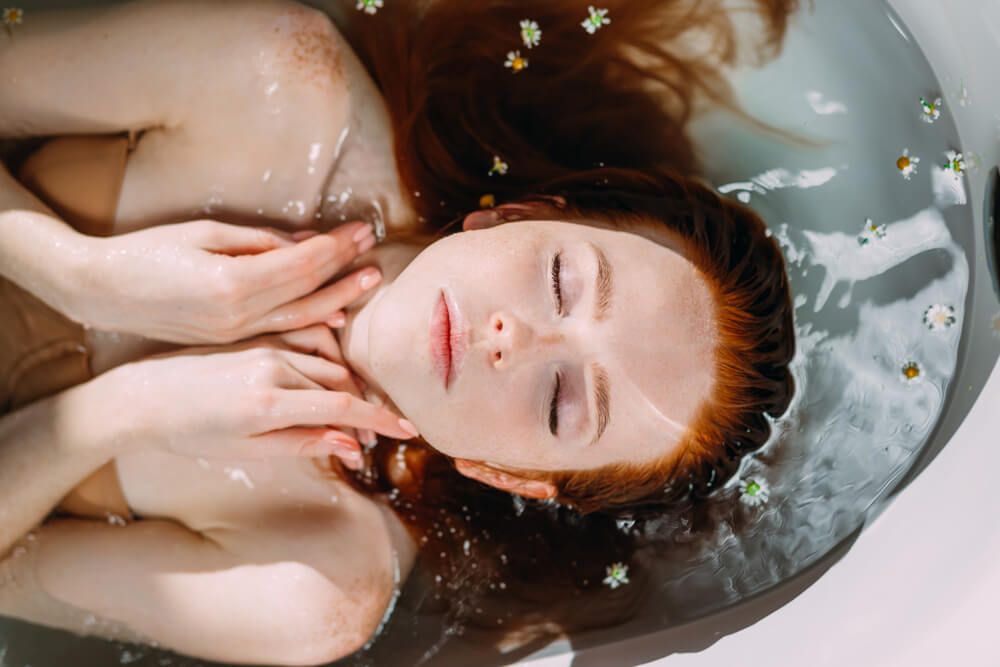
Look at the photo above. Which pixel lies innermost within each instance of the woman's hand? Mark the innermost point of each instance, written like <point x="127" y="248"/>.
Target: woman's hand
<point x="269" y="396"/>
<point x="209" y="282"/>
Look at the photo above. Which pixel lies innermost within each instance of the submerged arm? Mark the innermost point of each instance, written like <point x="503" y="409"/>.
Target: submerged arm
<point x="156" y="580"/>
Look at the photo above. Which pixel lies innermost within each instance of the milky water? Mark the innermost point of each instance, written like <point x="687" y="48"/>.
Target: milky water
<point x="879" y="268"/>
<point x="869" y="252"/>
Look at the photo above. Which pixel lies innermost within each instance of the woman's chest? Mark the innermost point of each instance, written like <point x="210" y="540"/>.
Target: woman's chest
<point x="207" y="494"/>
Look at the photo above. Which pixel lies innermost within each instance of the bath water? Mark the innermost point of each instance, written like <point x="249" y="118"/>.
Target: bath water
<point x="878" y="258"/>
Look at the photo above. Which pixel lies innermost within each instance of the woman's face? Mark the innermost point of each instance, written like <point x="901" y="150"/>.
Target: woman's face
<point x="625" y="340"/>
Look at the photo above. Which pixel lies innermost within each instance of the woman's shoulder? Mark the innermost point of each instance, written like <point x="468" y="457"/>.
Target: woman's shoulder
<point x="354" y="542"/>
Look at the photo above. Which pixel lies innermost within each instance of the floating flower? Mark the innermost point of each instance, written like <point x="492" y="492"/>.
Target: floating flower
<point x="956" y="162"/>
<point x="911" y="372"/>
<point x="499" y="166"/>
<point x="870" y="231"/>
<point x="515" y="61"/>
<point x="939" y="318"/>
<point x="369" y="6"/>
<point x="617" y="575"/>
<point x="754" y="492"/>
<point x="487" y="201"/>
<point x="596" y="19"/>
<point x="12" y="16"/>
<point x="931" y="110"/>
<point x="531" y="34"/>
<point x="907" y="164"/>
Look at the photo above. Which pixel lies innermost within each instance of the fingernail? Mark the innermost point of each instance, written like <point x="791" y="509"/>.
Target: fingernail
<point x="363" y="232"/>
<point x="366" y="244"/>
<point x="337" y="320"/>
<point x="409" y="428"/>
<point x="369" y="278"/>
<point x="354" y="461"/>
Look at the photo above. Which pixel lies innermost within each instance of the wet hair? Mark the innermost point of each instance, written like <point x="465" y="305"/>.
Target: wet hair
<point x="600" y="120"/>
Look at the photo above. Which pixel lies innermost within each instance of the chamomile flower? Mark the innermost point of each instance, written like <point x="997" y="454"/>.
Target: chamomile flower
<point x="499" y="166"/>
<point x="617" y="575"/>
<point x="531" y="34"/>
<point x="910" y="372"/>
<point x="515" y="61"/>
<point x="938" y="317"/>
<point x="369" y="6"/>
<point x="595" y="19"/>
<point x="754" y="492"/>
<point x="931" y="111"/>
<point x="956" y="162"/>
<point x="907" y="164"/>
<point x="12" y="16"/>
<point x="870" y="232"/>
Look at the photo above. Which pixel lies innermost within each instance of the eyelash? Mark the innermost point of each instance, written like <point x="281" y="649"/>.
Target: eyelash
<point x="557" y="289"/>
<point x="556" y="280"/>
<point x="554" y="408"/>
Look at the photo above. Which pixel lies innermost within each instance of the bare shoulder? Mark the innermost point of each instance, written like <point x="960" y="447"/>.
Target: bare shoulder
<point x="356" y="544"/>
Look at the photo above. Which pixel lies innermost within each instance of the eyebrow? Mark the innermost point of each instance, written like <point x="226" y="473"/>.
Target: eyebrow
<point x="603" y="285"/>
<point x="602" y="399"/>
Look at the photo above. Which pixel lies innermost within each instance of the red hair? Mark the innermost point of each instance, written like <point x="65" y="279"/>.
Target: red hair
<point x="601" y="120"/>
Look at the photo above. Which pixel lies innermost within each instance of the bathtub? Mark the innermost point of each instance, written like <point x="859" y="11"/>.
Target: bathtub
<point x="918" y="583"/>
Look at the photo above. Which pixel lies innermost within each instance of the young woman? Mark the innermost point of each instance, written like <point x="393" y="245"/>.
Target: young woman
<point x="610" y="336"/>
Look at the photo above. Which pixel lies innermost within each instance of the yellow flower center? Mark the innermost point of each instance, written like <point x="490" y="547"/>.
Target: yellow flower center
<point x="911" y="372"/>
<point x="487" y="201"/>
<point x="518" y="64"/>
<point x="902" y="163"/>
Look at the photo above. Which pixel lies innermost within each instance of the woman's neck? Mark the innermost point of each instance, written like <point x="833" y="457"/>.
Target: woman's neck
<point x="391" y="259"/>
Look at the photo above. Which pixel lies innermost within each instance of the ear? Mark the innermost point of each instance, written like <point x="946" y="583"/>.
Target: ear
<point x="505" y="481"/>
<point x="541" y="207"/>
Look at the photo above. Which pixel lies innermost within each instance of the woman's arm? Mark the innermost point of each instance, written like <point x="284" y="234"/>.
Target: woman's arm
<point x="49" y="447"/>
<point x="236" y="597"/>
<point x="287" y="395"/>
<point x="38" y="251"/>
<point x="134" y="65"/>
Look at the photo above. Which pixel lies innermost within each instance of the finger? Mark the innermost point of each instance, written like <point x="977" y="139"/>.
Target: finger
<point x="308" y="442"/>
<point x="330" y="376"/>
<point x="365" y="435"/>
<point x="318" y="306"/>
<point x="317" y="370"/>
<point x="303" y="267"/>
<point x="316" y="339"/>
<point x="235" y="240"/>
<point x="317" y="373"/>
<point x="317" y="408"/>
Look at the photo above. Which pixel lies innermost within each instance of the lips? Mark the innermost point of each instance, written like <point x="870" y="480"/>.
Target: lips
<point x="448" y="339"/>
<point x="440" y="340"/>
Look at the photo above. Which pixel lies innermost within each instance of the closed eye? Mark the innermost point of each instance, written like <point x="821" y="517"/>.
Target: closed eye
<point x="554" y="409"/>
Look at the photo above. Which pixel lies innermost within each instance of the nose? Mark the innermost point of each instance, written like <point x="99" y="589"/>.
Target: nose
<point x="511" y="340"/>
